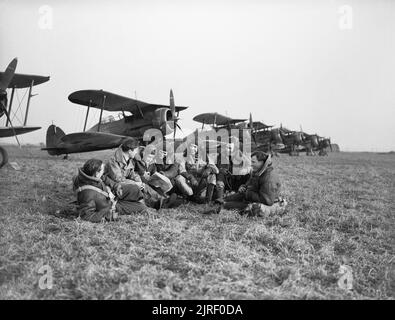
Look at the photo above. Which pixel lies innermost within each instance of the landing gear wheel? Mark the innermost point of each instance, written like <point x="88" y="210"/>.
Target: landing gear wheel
<point x="3" y="157"/>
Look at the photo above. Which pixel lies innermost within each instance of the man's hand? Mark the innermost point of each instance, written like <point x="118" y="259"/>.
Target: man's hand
<point x="110" y="194"/>
<point x="146" y="175"/>
<point x="114" y="214"/>
<point x="242" y="189"/>
<point x="118" y="190"/>
<point x="193" y="182"/>
<point x="206" y="172"/>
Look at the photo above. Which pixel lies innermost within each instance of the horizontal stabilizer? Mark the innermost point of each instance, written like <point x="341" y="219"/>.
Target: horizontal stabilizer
<point x="10" y="132"/>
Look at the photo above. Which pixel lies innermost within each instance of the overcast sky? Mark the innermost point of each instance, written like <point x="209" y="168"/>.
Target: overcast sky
<point x="299" y="63"/>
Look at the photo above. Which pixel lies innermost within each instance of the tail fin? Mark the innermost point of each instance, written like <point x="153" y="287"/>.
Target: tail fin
<point x="54" y="134"/>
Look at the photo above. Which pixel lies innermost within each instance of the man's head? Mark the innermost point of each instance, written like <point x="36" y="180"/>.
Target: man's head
<point x="192" y="148"/>
<point x="130" y="147"/>
<point x="149" y="153"/>
<point x="258" y="159"/>
<point x="162" y="154"/>
<point x="93" y="168"/>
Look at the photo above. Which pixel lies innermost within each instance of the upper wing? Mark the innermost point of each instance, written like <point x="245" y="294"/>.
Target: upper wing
<point x="211" y="118"/>
<point x="258" y="125"/>
<point x="216" y="118"/>
<point x="20" y="81"/>
<point x="114" y="102"/>
<point x="9" y="132"/>
<point x="286" y="130"/>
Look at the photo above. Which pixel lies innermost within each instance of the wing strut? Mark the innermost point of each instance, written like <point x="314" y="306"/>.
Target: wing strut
<point x="9" y="106"/>
<point x="141" y="112"/>
<point x="87" y="114"/>
<point x="101" y="112"/>
<point x="28" y="102"/>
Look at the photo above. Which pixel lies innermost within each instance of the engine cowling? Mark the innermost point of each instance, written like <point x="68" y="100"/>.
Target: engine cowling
<point x="162" y="120"/>
<point x="298" y="138"/>
<point x="314" y="141"/>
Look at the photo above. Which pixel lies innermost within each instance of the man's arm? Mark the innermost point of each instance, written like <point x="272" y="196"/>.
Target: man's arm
<point x="171" y="172"/>
<point x="113" y="171"/>
<point x="266" y="193"/>
<point x="87" y="210"/>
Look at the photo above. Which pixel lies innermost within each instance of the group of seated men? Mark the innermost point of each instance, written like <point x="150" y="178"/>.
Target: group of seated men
<point x="123" y="185"/>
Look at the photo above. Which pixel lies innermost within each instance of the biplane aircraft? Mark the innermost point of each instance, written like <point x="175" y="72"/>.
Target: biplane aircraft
<point x="293" y="140"/>
<point x="111" y="132"/>
<point x="314" y="143"/>
<point x="264" y="137"/>
<point x="261" y="136"/>
<point x="216" y="122"/>
<point x="11" y="80"/>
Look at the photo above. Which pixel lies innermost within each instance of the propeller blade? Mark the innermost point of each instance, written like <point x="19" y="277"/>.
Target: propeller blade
<point x="172" y="105"/>
<point x="8" y="74"/>
<point x="252" y="128"/>
<point x="178" y="126"/>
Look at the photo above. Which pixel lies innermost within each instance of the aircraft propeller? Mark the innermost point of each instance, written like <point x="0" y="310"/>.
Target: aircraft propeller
<point x="174" y="118"/>
<point x="252" y="128"/>
<point x="4" y="83"/>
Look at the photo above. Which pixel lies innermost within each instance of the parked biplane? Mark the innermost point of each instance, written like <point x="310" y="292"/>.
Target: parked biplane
<point x="263" y="137"/>
<point x="314" y="143"/>
<point x="216" y="122"/>
<point x="11" y="80"/>
<point x="293" y="140"/>
<point x="110" y="133"/>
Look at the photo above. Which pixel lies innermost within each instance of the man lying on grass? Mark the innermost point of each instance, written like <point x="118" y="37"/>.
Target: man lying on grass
<point x="260" y="196"/>
<point x="96" y="201"/>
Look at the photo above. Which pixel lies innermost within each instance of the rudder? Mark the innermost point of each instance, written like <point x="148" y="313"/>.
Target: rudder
<point x="54" y="135"/>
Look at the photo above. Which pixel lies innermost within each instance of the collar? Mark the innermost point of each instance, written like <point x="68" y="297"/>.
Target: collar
<point x="87" y="178"/>
<point x="119" y="156"/>
<point x="265" y="166"/>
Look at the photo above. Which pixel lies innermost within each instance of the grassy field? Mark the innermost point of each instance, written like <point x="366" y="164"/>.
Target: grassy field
<point x="341" y="212"/>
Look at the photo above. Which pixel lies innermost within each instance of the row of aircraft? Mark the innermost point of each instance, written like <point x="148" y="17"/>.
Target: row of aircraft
<point x="267" y="138"/>
<point x="134" y="118"/>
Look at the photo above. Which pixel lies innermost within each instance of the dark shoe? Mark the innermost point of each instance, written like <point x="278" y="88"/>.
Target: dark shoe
<point x="213" y="210"/>
<point x="220" y="196"/>
<point x="159" y="204"/>
<point x="198" y="200"/>
<point x="171" y="201"/>
<point x="209" y="192"/>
